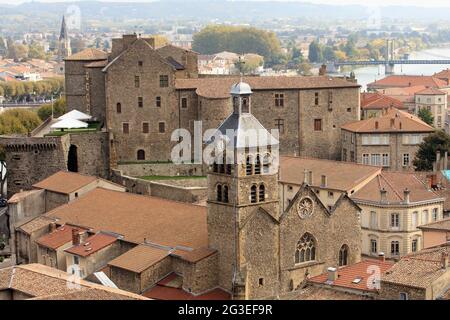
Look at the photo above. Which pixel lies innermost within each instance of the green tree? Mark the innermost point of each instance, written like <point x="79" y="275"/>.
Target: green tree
<point x="59" y="108"/>
<point x="18" y="121"/>
<point x="35" y="51"/>
<point x="426" y="155"/>
<point x="426" y="116"/>
<point x="315" y="52"/>
<point x="329" y="54"/>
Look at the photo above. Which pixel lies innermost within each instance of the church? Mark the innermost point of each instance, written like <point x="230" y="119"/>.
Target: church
<point x="264" y="251"/>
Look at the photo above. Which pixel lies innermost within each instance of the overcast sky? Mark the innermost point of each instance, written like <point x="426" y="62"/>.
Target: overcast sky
<point x="427" y="3"/>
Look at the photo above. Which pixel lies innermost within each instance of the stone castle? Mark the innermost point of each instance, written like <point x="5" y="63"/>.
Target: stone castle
<point x="142" y="93"/>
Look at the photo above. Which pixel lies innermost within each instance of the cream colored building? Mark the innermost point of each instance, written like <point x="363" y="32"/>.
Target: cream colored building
<point x="393" y="204"/>
<point x="434" y="100"/>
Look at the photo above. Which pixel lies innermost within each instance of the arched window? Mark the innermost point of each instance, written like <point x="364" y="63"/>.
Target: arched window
<point x="266" y="163"/>
<point x="141" y="154"/>
<point x="343" y="256"/>
<point x="262" y="193"/>
<point x="119" y="107"/>
<point x="249" y="166"/>
<point x="253" y="194"/>
<point x="306" y="249"/>
<point x="219" y="193"/>
<point x="245" y="105"/>
<point x="225" y="194"/>
<point x="258" y="164"/>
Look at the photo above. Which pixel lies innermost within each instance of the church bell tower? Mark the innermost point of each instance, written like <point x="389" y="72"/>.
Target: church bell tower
<point x="64" y="49"/>
<point x="243" y="202"/>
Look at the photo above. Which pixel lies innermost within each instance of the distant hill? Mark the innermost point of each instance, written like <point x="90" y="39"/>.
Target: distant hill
<point x="221" y="9"/>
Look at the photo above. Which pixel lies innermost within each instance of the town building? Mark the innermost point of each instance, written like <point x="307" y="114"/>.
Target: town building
<point x="424" y="275"/>
<point x="389" y="141"/>
<point x="436" y="233"/>
<point x="435" y="101"/>
<point x="373" y="104"/>
<point x="404" y="81"/>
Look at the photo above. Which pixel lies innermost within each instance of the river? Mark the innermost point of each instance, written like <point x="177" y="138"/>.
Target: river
<point x="371" y="73"/>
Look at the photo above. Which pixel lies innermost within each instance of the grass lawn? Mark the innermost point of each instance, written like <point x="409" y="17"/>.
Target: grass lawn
<point x="155" y="178"/>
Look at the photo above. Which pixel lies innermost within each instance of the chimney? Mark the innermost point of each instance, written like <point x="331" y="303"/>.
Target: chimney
<point x="438" y="160"/>
<point x="382" y="256"/>
<point x="444" y="260"/>
<point x="332" y="274"/>
<point x="323" y="70"/>
<point x="83" y="236"/>
<point x="383" y="194"/>
<point x="406" y="194"/>
<point x="324" y="181"/>
<point x="52" y="226"/>
<point x="445" y="160"/>
<point x="76" y="237"/>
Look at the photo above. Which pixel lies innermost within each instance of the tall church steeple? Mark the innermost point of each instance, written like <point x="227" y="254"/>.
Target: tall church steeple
<point x="243" y="197"/>
<point x="64" y="49"/>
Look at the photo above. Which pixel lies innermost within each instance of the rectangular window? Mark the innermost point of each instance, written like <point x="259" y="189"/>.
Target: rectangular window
<point x="316" y="98"/>
<point x="145" y="127"/>
<point x="385" y="159"/>
<point x="137" y="82"/>
<point x="414" y="245"/>
<point x="352" y="156"/>
<point x="406" y="159"/>
<point x="125" y="128"/>
<point x="373" y="246"/>
<point x="162" y="127"/>
<point x="344" y="154"/>
<point x="140" y="102"/>
<point x="375" y="139"/>
<point x="163" y="81"/>
<point x="76" y="260"/>
<point x="365" y="159"/>
<point x="395" y="248"/>
<point x="184" y="103"/>
<point x="317" y="124"/>
<point x="435" y="214"/>
<point x="279" y="123"/>
<point x="352" y="137"/>
<point x="365" y="139"/>
<point x="424" y="216"/>
<point x="403" y="296"/>
<point x="140" y="63"/>
<point x="414" y="219"/>
<point x="395" y="220"/>
<point x="158" y="102"/>
<point x="279" y="100"/>
<point x="373" y="220"/>
<point x="375" y="159"/>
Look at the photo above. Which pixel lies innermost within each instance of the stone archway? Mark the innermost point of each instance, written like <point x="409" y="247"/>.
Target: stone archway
<point x="72" y="159"/>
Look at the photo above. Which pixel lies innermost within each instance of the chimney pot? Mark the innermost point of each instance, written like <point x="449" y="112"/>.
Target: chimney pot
<point x="383" y="194"/>
<point x="76" y="237"/>
<point x="332" y="274"/>
<point x="52" y="226"/>
<point x="406" y="194"/>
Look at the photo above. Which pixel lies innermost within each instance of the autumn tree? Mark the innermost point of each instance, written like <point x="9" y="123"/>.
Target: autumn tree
<point x="18" y="121"/>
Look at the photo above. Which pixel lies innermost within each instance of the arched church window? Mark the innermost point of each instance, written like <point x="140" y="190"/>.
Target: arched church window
<point x="245" y="105"/>
<point x="262" y="193"/>
<point x="306" y="249"/>
<point x="225" y="194"/>
<point x="141" y="154"/>
<point x="258" y="164"/>
<point x="119" y="107"/>
<point x="219" y="193"/>
<point x="249" y="166"/>
<point x="253" y="194"/>
<point x="343" y="255"/>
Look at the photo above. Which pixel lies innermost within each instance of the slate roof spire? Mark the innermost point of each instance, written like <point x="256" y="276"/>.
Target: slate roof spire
<point x="63" y="34"/>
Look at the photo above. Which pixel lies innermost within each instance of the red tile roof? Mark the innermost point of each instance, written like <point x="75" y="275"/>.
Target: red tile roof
<point x="362" y="270"/>
<point x="408" y="81"/>
<point x="92" y="244"/>
<point x="379" y="101"/>
<point x="65" y="182"/>
<point x="431" y="91"/>
<point x="57" y="238"/>
<point x="90" y="54"/>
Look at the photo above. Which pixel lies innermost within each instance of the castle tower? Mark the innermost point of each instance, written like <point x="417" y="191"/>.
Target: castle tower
<point x="64" y="49"/>
<point x="243" y="202"/>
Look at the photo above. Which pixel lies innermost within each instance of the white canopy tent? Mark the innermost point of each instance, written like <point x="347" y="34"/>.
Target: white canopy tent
<point x="69" y="124"/>
<point x="75" y="115"/>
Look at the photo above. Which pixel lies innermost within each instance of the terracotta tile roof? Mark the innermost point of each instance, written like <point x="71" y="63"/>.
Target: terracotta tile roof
<point x="88" y="55"/>
<point x="418" y="270"/>
<point x="139" y="258"/>
<point x="443" y="225"/>
<point x="395" y="183"/>
<point x="36" y="224"/>
<point x="319" y="293"/>
<point x="219" y="88"/>
<point x="379" y="101"/>
<point x="37" y="280"/>
<point x="408" y="81"/>
<point x="431" y="91"/>
<point x="348" y="274"/>
<point x="170" y="289"/>
<point x="444" y="74"/>
<point x="157" y="220"/>
<point x="393" y="120"/>
<point x="403" y="91"/>
<point x="340" y="175"/>
<point x="65" y="182"/>
<point x="194" y="255"/>
<point x="92" y="244"/>
<point x="57" y="238"/>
